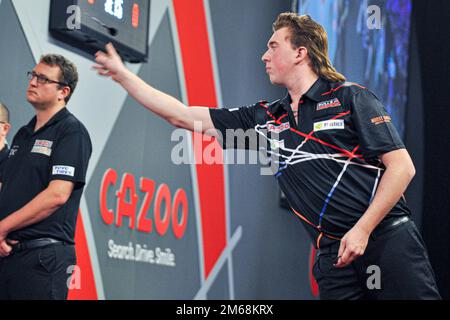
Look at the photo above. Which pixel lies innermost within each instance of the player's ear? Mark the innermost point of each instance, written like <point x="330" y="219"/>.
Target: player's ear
<point x="302" y="53"/>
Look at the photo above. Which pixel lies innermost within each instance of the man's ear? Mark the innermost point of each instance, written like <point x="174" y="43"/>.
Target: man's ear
<point x="302" y="53"/>
<point x="6" y="128"/>
<point x="65" y="92"/>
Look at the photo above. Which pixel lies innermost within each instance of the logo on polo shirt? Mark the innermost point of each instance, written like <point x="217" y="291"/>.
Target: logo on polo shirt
<point x="380" y="120"/>
<point x="329" y="125"/>
<point x="278" y="129"/>
<point x="13" y="151"/>
<point x="43" y="147"/>
<point x="63" y="171"/>
<point x="328" y="104"/>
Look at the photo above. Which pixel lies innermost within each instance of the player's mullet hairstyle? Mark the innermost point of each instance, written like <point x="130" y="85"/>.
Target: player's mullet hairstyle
<point x="305" y="32"/>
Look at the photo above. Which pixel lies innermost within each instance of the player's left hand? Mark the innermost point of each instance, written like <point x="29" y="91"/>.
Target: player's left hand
<point x="353" y="245"/>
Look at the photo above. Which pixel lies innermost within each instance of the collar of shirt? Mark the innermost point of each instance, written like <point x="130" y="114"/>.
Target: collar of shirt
<point x="57" y="117"/>
<point x="4" y="150"/>
<point x="315" y="93"/>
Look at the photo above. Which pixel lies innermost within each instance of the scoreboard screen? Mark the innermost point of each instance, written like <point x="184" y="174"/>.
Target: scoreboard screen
<point x="90" y="24"/>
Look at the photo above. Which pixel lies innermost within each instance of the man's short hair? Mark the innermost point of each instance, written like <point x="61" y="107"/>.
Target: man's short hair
<point x="4" y="113"/>
<point x="68" y="74"/>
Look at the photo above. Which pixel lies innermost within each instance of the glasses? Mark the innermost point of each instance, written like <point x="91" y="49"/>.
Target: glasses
<point x="41" y="79"/>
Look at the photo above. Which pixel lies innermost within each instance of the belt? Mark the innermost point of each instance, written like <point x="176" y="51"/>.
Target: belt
<point x="33" y="244"/>
<point x="381" y="229"/>
<point x="388" y="225"/>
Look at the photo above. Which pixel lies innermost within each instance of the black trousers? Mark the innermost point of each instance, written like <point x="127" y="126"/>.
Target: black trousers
<point x="37" y="274"/>
<point x="395" y="266"/>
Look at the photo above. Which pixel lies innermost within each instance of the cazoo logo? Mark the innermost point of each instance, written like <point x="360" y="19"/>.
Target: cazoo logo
<point x="149" y="214"/>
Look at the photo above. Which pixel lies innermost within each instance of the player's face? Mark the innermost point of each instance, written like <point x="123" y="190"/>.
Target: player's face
<point x="280" y="56"/>
<point x="41" y="95"/>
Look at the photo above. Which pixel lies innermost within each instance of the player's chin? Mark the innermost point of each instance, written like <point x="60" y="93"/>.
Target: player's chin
<point x="275" y="81"/>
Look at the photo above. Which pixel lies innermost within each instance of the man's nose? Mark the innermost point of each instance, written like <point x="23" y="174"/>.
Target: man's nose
<point x="33" y="81"/>
<point x="265" y="57"/>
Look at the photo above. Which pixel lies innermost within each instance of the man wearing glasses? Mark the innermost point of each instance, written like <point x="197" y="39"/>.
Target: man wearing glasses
<point x="4" y="129"/>
<point x="43" y="179"/>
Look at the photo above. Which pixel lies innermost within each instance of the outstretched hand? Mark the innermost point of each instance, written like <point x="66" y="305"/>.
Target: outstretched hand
<point x="109" y="63"/>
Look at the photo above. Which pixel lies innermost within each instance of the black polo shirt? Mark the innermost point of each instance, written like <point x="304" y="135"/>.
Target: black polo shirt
<point x="60" y="150"/>
<point x="329" y="164"/>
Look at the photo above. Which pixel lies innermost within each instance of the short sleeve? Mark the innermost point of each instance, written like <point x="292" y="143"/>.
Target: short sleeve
<point x="70" y="157"/>
<point x="237" y="126"/>
<point x="375" y="128"/>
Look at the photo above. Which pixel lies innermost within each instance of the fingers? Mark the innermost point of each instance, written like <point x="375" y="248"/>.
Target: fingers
<point x="101" y="58"/>
<point x="342" y="247"/>
<point x="346" y="259"/>
<point x="349" y="255"/>
<point x="104" y="73"/>
<point x="107" y="63"/>
<point x="102" y="70"/>
<point x="341" y="251"/>
<point x="111" y="50"/>
<point x="98" y="67"/>
<point x="5" y="249"/>
<point x="111" y="53"/>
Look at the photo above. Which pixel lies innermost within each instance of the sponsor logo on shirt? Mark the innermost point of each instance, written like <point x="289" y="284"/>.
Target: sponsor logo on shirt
<point x="278" y="129"/>
<point x="63" y="171"/>
<point x="13" y="151"/>
<point x="380" y="120"/>
<point x="43" y="147"/>
<point x="329" y="125"/>
<point x="328" y="104"/>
